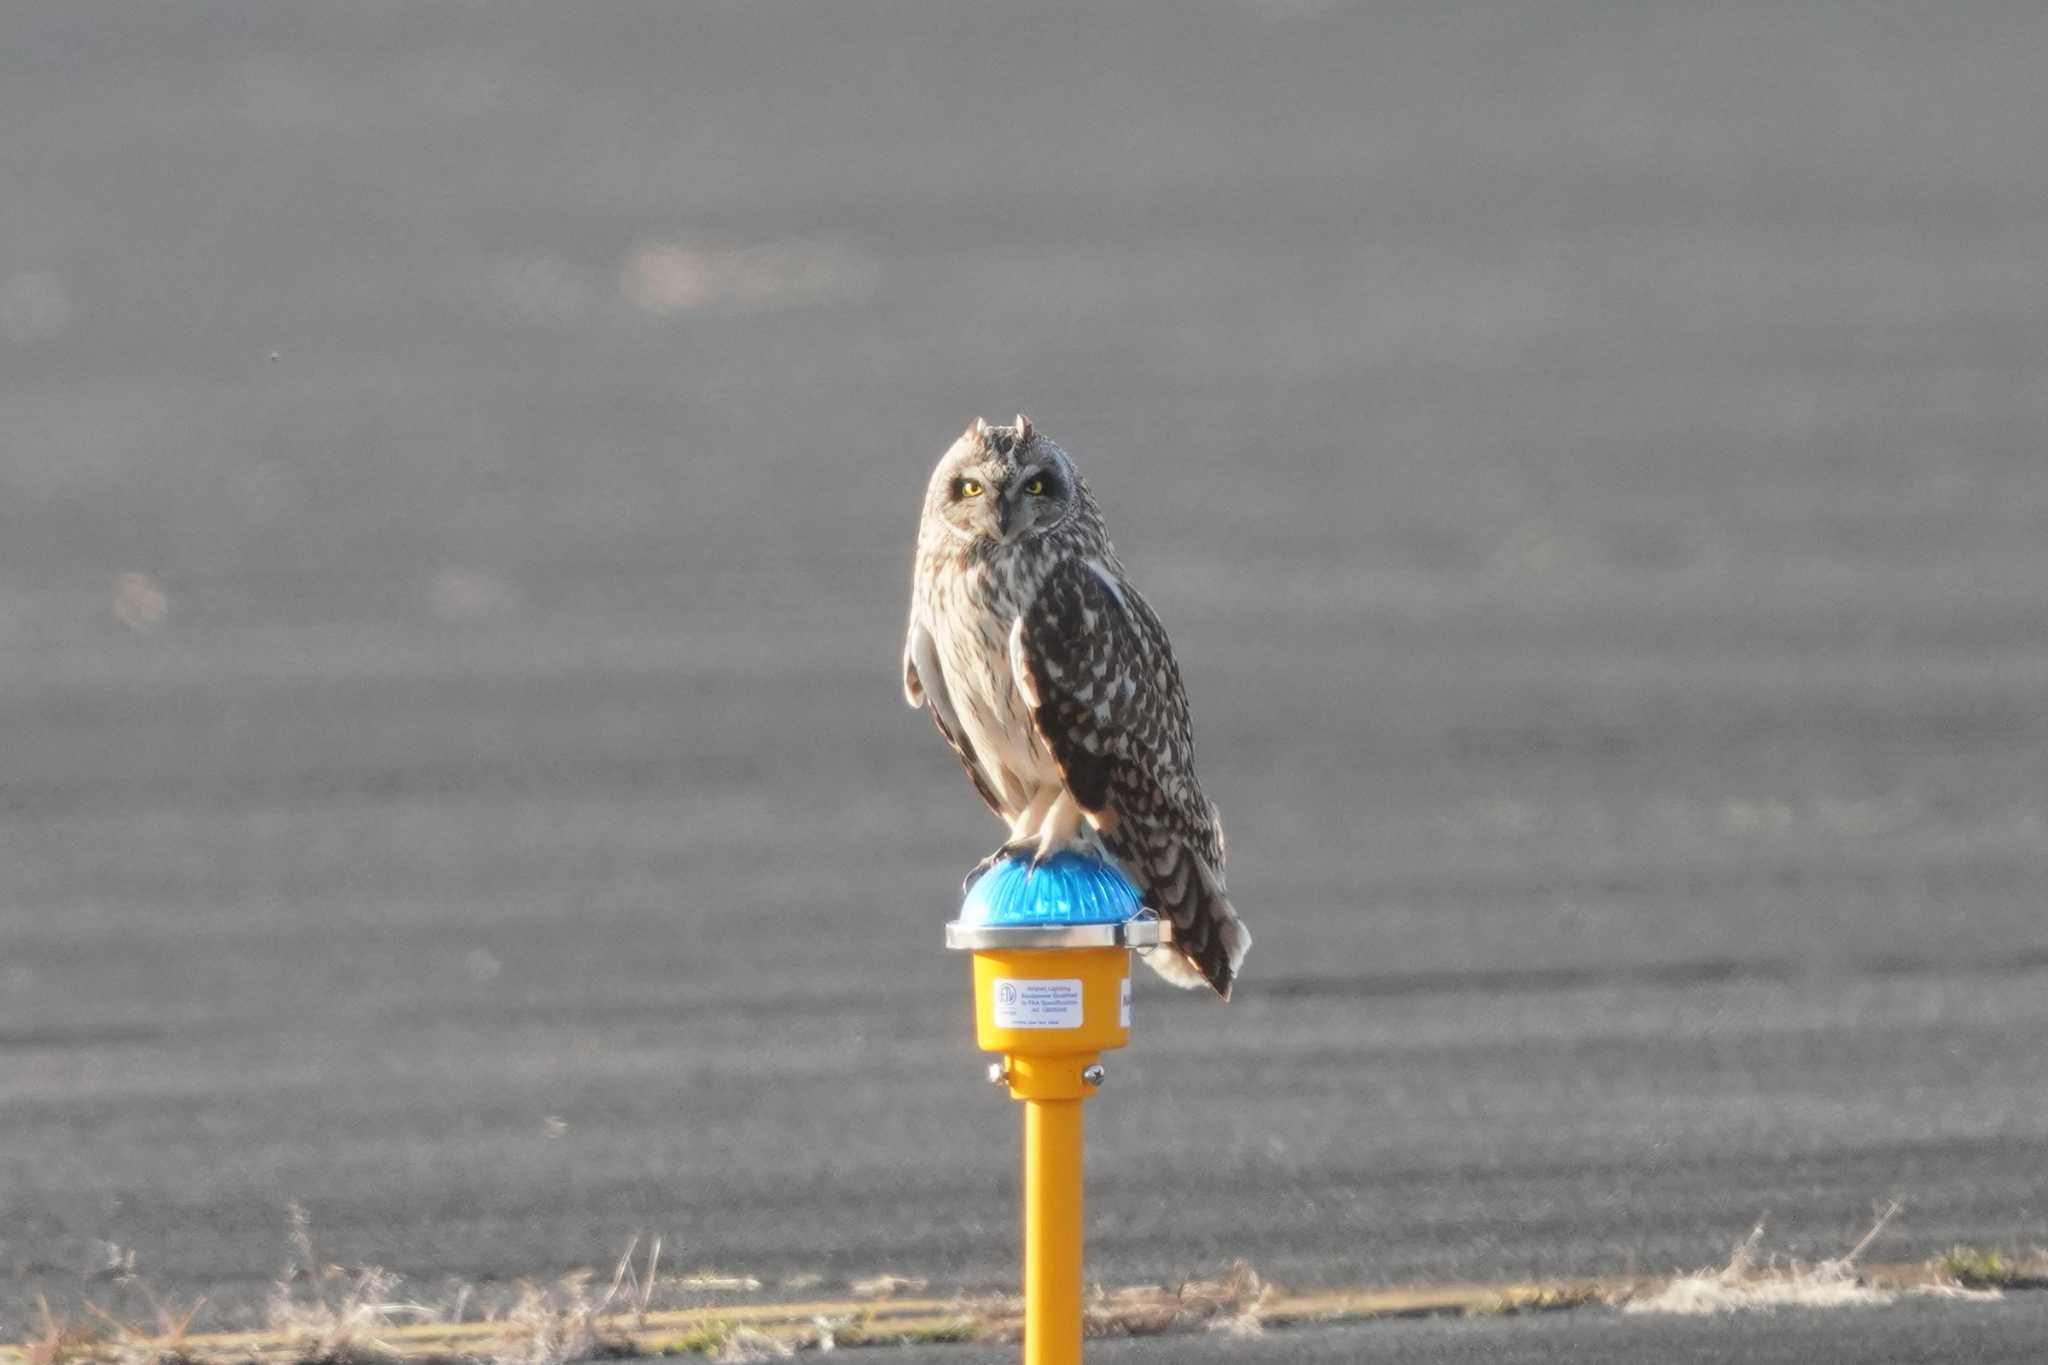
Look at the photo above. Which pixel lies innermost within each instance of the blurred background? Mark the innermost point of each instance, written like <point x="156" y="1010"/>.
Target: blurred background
<point x="458" y="467"/>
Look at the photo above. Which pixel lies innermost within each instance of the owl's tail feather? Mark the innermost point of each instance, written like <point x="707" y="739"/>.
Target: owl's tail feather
<point x="1209" y="940"/>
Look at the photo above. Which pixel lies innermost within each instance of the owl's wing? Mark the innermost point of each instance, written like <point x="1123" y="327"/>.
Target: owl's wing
<point x="1094" y="663"/>
<point x="924" y="684"/>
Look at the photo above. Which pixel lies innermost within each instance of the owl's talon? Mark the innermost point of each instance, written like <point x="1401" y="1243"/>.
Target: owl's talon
<point x="1009" y="850"/>
<point x="980" y="869"/>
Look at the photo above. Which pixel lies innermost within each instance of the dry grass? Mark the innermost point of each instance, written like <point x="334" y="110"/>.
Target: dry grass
<point x="564" y="1322"/>
<point x="60" y="1340"/>
<point x="1745" y="1285"/>
<point x="1750" y="1284"/>
<point x="887" y="1286"/>
<point x="1235" y="1303"/>
<point x="329" y="1312"/>
<point x="111" y="1338"/>
<point x="164" y="1339"/>
<point x="324" y="1314"/>
<point x="711" y="1282"/>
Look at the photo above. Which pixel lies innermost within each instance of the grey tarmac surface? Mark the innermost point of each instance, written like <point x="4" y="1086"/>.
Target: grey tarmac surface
<point x="457" y="469"/>
<point x="2014" y="1332"/>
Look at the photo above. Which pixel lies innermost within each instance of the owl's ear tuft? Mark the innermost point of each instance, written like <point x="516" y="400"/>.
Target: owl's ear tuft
<point x="1024" y="430"/>
<point x="979" y="431"/>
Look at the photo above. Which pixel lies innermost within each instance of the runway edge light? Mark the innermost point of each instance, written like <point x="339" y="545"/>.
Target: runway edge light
<point x="1052" y="992"/>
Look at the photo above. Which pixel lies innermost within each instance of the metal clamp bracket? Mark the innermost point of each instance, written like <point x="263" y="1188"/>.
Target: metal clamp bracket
<point x="1131" y="933"/>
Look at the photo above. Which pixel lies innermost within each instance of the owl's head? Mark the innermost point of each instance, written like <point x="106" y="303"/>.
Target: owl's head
<point x="1001" y="485"/>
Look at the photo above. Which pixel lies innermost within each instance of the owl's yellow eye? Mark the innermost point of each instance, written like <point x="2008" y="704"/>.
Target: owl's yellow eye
<point x="1036" y="488"/>
<point x="969" y="488"/>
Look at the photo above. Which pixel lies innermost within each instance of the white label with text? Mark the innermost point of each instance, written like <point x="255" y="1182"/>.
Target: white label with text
<point x="1037" y="1004"/>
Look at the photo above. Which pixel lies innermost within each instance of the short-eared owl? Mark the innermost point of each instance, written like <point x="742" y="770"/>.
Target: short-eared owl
<point x="1054" y="682"/>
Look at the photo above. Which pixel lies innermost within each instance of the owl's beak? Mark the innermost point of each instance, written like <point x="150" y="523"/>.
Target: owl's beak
<point x="1003" y="509"/>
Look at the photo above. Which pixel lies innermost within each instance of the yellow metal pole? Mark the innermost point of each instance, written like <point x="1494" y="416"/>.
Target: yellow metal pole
<point x="1052" y="1232"/>
<point x="1052" y="1012"/>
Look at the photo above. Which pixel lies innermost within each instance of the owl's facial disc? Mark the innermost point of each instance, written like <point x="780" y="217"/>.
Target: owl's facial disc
<point x="968" y="495"/>
<point x="994" y="492"/>
<point x="1035" y="499"/>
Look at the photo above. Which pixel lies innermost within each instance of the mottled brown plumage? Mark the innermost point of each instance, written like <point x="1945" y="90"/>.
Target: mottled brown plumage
<point x="1054" y="682"/>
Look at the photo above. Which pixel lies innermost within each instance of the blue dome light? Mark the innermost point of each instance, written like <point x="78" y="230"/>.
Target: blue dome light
<point x="1067" y="888"/>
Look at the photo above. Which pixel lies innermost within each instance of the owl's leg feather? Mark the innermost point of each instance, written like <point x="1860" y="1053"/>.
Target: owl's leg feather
<point x="1024" y="825"/>
<point x="1024" y="828"/>
<point x="1060" y="829"/>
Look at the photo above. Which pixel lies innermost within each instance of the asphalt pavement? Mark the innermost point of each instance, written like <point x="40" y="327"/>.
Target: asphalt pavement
<point x="457" y="472"/>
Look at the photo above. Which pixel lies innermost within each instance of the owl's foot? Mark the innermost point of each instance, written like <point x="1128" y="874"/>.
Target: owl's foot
<point x="1047" y="828"/>
<point x="1063" y="827"/>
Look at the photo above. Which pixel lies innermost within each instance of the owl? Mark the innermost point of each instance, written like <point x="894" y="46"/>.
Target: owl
<point x="1053" y="681"/>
